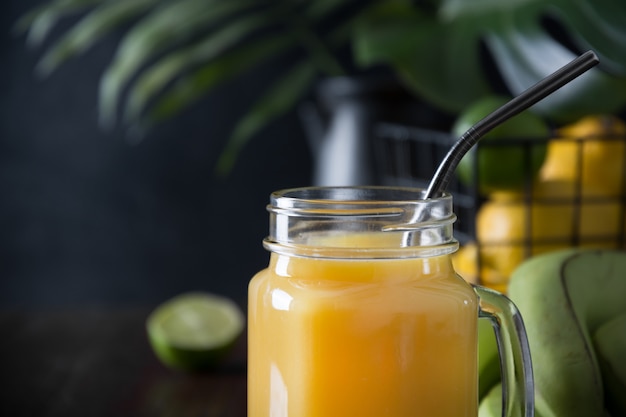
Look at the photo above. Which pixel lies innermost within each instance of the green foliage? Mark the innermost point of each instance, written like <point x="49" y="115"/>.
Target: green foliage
<point x="444" y="65"/>
<point x="174" y="52"/>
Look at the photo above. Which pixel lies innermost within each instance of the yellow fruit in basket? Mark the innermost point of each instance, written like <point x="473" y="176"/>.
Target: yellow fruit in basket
<point x="592" y="151"/>
<point x="511" y="228"/>
<point x="465" y="262"/>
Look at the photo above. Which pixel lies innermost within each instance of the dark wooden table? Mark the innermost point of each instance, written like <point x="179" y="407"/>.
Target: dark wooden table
<point x="97" y="362"/>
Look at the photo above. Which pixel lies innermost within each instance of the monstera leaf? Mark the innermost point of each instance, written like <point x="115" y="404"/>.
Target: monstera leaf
<point x="527" y="40"/>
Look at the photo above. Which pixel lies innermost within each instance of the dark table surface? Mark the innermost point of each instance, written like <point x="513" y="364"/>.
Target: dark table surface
<point x="97" y="362"/>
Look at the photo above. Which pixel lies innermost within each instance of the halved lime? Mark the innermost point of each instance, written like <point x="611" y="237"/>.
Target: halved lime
<point x="193" y="331"/>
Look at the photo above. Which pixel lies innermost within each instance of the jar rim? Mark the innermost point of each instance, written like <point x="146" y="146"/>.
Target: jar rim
<point x="360" y="221"/>
<point x="356" y="194"/>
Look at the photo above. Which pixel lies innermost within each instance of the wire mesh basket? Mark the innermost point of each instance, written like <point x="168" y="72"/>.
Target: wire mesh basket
<point x="578" y="204"/>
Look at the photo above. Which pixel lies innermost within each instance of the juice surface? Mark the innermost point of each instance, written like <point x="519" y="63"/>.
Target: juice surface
<point x="361" y="337"/>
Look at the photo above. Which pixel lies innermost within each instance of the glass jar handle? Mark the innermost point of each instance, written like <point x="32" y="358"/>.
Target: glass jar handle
<point x="518" y="394"/>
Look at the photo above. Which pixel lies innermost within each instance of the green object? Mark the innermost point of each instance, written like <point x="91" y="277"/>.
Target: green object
<point x="610" y="344"/>
<point x="438" y="51"/>
<point x="488" y="358"/>
<point x="565" y="297"/>
<point x="491" y="404"/>
<point x="194" y="331"/>
<point x="500" y="158"/>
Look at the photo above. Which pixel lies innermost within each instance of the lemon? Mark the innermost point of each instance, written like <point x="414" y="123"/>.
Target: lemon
<point x="465" y="262"/>
<point x="511" y="227"/>
<point x="500" y="158"/>
<point x="592" y="151"/>
<point x="193" y="331"/>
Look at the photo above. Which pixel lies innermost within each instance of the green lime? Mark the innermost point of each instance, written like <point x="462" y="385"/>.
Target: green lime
<point x="193" y="331"/>
<point x="500" y="158"/>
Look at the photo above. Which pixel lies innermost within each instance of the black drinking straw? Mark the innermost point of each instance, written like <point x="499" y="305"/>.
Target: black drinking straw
<point x="532" y="95"/>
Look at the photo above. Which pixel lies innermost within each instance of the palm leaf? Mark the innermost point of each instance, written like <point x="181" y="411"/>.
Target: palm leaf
<point x="181" y="49"/>
<point x="321" y="48"/>
<point x="216" y="69"/>
<point x="320" y="8"/>
<point x="199" y="79"/>
<point x="40" y="21"/>
<point x="90" y="29"/>
<point x="283" y="95"/>
<point x="163" y="29"/>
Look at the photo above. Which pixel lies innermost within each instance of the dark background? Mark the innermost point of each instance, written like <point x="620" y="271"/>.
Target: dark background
<point x="88" y="218"/>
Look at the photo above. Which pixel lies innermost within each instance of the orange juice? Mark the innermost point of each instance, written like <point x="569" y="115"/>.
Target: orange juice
<point x="360" y="312"/>
<point x="361" y="337"/>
